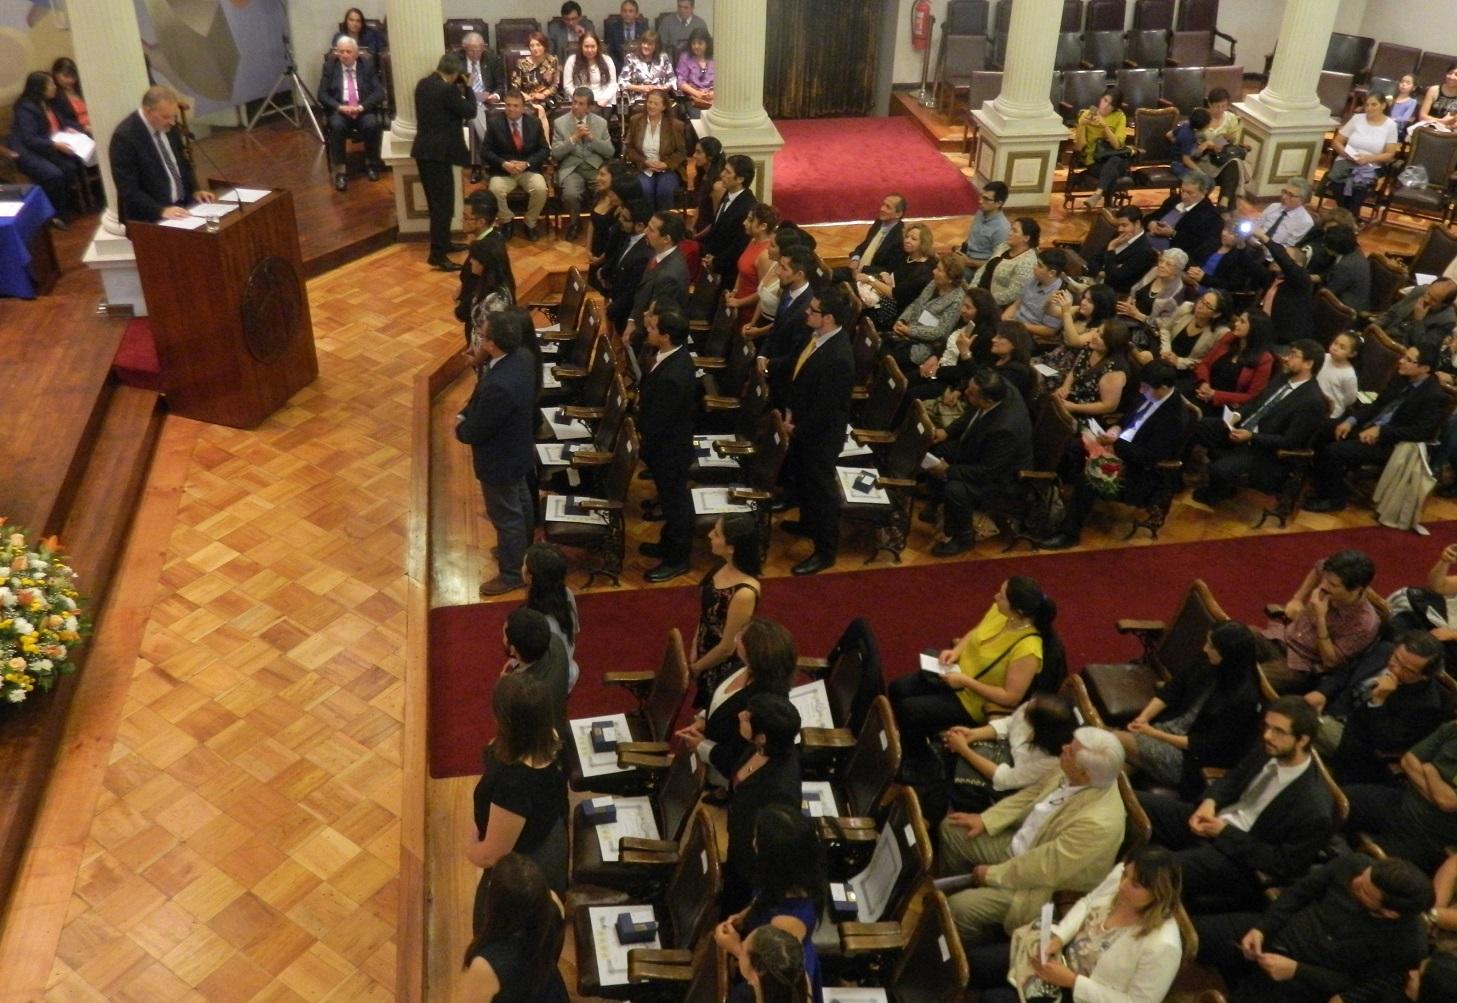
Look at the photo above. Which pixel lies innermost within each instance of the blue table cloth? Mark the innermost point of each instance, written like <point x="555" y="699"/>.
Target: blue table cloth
<point x="15" y="234"/>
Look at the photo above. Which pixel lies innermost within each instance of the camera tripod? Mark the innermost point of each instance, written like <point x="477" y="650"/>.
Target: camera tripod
<point x="294" y="111"/>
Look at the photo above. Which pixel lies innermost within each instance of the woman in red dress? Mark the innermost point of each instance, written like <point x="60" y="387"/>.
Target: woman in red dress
<point x="755" y="263"/>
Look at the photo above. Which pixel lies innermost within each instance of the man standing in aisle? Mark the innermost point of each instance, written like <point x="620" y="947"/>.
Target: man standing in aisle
<point x="443" y="101"/>
<point x="667" y="404"/>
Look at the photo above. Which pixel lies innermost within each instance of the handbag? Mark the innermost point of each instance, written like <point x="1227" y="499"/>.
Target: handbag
<point x="1104" y="150"/>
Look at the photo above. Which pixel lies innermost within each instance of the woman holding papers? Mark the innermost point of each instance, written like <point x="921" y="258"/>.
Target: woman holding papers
<point x="44" y="159"/>
<point x="521" y="800"/>
<point x="513" y="957"/>
<point x="767" y="775"/>
<point x="990" y="668"/>
<point x="1120" y="943"/>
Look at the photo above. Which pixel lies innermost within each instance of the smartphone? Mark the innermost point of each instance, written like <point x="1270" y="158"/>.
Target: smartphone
<point x="1244" y="228"/>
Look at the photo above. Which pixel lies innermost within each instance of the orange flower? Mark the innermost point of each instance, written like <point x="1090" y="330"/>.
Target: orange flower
<point x="51" y="542"/>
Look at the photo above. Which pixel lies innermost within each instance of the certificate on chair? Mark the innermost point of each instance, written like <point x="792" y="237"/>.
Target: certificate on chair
<point x="564" y="428"/>
<point x="554" y="454"/>
<point x="858" y="485"/>
<point x="851" y="447"/>
<point x="817" y="799"/>
<point x="594" y="763"/>
<point x="707" y="456"/>
<point x="549" y="380"/>
<point x="873" y="885"/>
<point x="568" y="508"/>
<point x="611" y="953"/>
<point x="716" y="501"/>
<point x="812" y="701"/>
<point x="634" y="818"/>
<point x="855" y="994"/>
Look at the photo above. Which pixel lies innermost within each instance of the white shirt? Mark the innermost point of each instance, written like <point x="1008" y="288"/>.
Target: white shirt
<point x="1363" y="137"/>
<point x="1242" y="814"/>
<point x="663" y="254"/>
<point x="1338" y="383"/>
<point x="1030" y="764"/>
<point x="724" y="202"/>
<point x="1294" y="226"/>
<point x="604" y="85"/>
<point x="1038" y="817"/>
<point x="651" y="139"/>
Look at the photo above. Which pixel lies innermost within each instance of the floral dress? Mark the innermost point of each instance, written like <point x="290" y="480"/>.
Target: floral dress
<point x="545" y="75"/>
<point x="713" y="617"/>
<point x="659" y="73"/>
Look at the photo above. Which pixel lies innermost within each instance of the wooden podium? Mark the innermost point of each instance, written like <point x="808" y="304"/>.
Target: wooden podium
<point x="229" y="312"/>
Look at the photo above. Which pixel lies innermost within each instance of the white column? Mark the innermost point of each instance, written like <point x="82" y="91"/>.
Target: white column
<point x="737" y="117"/>
<point x="416" y="44"/>
<point x="1285" y="124"/>
<point x="108" y="49"/>
<point x="1019" y="133"/>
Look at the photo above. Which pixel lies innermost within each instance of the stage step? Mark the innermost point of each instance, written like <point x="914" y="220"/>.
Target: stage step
<point x="946" y="135"/>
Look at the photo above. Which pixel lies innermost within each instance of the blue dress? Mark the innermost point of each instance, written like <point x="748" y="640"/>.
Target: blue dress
<point x="804" y="911"/>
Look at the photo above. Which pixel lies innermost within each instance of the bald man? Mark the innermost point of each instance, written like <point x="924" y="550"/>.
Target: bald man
<point x="154" y="179"/>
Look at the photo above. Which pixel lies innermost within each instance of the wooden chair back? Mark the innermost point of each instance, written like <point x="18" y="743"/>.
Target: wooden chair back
<point x="865" y="347"/>
<point x="623" y="466"/>
<point x="1140" y="89"/>
<point x="1191" y="48"/>
<point x="1231" y="78"/>
<point x="912" y="442"/>
<point x="1105" y="15"/>
<point x="678" y="796"/>
<point x="704" y="297"/>
<point x="1334" y="91"/>
<point x="883" y="406"/>
<point x="1183" y="87"/>
<point x="691" y="897"/>
<point x="1051" y="433"/>
<point x="869" y="770"/>
<point x="1151" y="14"/>
<point x="1393" y="61"/>
<point x="1183" y="642"/>
<point x="1437" y="251"/>
<point x="933" y="967"/>
<point x="709" y="982"/>
<point x="1103" y="50"/>
<point x="1069" y="51"/>
<point x="1198" y="15"/>
<point x="1433" y="65"/>
<point x="1388" y="278"/>
<point x="855" y="678"/>
<point x="907" y="827"/>
<point x="614" y="412"/>
<point x="753" y="405"/>
<point x="1348" y="54"/>
<point x="670" y="683"/>
<point x="1342" y="804"/>
<point x="1147" y="47"/>
<point x="1376" y="362"/>
<point x="1331" y="316"/>
<point x="714" y="342"/>
<point x="762" y="467"/>
<point x="600" y="372"/>
<point x="1137" y="829"/>
<point x="456" y="28"/>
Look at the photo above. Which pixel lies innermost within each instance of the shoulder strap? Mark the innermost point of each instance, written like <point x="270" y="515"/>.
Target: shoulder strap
<point x="1005" y="652"/>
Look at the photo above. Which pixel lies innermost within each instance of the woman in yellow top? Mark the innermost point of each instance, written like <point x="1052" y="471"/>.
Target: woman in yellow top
<point x="1098" y="145"/>
<point x="989" y="670"/>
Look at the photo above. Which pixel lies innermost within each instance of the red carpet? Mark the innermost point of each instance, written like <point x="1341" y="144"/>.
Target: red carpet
<point x="835" y="170"/>
<point x="909" y="608"/>
<point x="136" y="363"/>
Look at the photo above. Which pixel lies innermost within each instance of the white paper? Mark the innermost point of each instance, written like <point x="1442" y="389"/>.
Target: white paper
<point x="852" y="480"/>
<point x="812" y="701"/>
<point x="612" y="955"/>
<point x="563" y="508"/>
<point x="873" y="885"/>
<point x="1093" y="427"/>
<point x="82" y="145"/>
<point x="928" y="319"/>
<point x="851" y="447"/>
<point x="1044" y="932"/>
<point x="565" y="429"/>
<point x="1423" y="279"/>
<point x="550" y="328"/>
<point x="634" y="818"/>
<point x="550" y="347"/>
<point x="211" y="210"/>
<point x="247" y="196"/>
<point x="708" y="456"/>
<point x="1366" y="396"/>
<point x="819" y="797"/>
<point x="185" y="223"/>
<point x="548" y="379"/>
<point x="594" y="763"/>
<point x="10" y="209"/>
<point x="930" y="462"/>
<point x="1228" y="416"/>
<point x="552" y="454"/>
<point x="716" y="501"/>
<point x="930" y="663"/>
<point x="1044" y="369"/>
<point x="855" y="994"/>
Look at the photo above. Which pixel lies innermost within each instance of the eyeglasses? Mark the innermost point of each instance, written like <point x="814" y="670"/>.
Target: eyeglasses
<point x="813" y="309"/>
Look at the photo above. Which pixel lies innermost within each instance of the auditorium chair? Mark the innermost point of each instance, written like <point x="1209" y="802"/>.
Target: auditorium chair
<point x="752" y="491"/>
<point x="1103" y="50"/>
<point x="1331" y="316"/>
<point x="851" y="673"/>
<point x="713" y="343"/>
<point x="1152" y="512"/>
<point x="569" y="348"/>
<point x="1285" y="498"/>
<point x="983" y="86"/>
<point x="513" y="32"/>
<point x="1140" y="89"/>
<point x="456" y="28"/>
<point x="1100" y="234"/>
<point x="1191" y="48"/>
<point x="1376" y="361"/>
<point x="966" y="17"/>
<point x="686" y="913"/>
<point x="643" y="762"/>
<point x="1203" y="15"/>
<point x="562" y="313"/>
<point x="700" y="975"/>
<point x="1437" y="250"/>
<point x="1334" y="92"/>
<point x="874" y="416"/>
<point x="863" y="780"/>
<point x="1432" y="66"/>
<point x="1120" y="690"/>
<point x="1393" y="61"/>
<point x="1388" y="278"/>
<point x="865" y="348"/>
<point x="702" y="299"/>
<point x="1053" y="430"/>
<point x="897" y="463"/>
<point x="730" y="397"/>
<point x="1183" y="88"/>
<point x="925" y="965"/>
<point x="1149" y="15"/>
<point x="1348" y="53"/>
<point x="586" y="386"/>
<point x="1069" y="52"/>
<point x="1230" y="78"/>
<point x="962" y="57"/>
<point x="1437" y="153"/>
<point x="643" y="864"/>
<point x="591" y="458"/>
<point x="1149" y="49"/>
<point x="604" y="541"/>
<point x="1080" y="89"/>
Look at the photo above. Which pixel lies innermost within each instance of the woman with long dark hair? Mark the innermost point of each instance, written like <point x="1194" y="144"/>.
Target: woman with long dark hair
<point x="708" y="161"/>
<point x="772" y="966"/>
<point x="1081" y="314"/>
<point x="358" y="29"/>
<point x="696" y="71"/>
<point x="991" y="667"/>
<point x="1239" y="365"/>
<point x="767" y="774"/>
<point x="1012" y="356"/>
<point x="513" y="956"/>
<point x="968" y="347"/>
<point x="789" y="890"/>
<point x="521" y="799"/>
<point x="49" y="164"/>
<point x="1104" y="375"/>
<point x="592" y="67"/>
<point x="69" y="99"/>
<point x="1207" y="715"/>
<point x="727" y="598"/>
<point x="544" y="573"/>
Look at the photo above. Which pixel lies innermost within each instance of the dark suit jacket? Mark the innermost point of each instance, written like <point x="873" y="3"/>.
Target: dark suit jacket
<point x="1197" y="232"/>
<point x="556" y="34"/>
<point x="789" y="329"/>
<point x="31" y="130"/>
<point x="668" y="280"/>
<point x="1292" y="830"/>
<point x="888" y="255"/>
<point x="1159" y="438"/>
<point x="141" y="177"/>
<point x="726" y="238"/>
<point x="777" y="782"/>
<point x="1241" y="270"/>
<point x="440" y="110"/>
<point x="331" y="86"/>
<point x="667" y="403"/>
<point x="989" y="450"/>
<point x="613" y="38"/>
<point x="1434" y="327"/>
<point x="819" y="397"/>
<point x="1417" y="416"/>
<point x="500" y="148"/>
<point x="1124" y="266"/>
<point x="722" y="727"/>
<point x="1294" y="308"/>
<point x="493" y="73"/>
<point x="1349" y="280"/>
<point x="1293" y="422"/>
<point x="624" y="274"/>
<point x="499" y="422"/>
<point x="551" y="669"/>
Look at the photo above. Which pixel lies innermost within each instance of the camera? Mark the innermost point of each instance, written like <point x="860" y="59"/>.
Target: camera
<point x="1244" y="228"/>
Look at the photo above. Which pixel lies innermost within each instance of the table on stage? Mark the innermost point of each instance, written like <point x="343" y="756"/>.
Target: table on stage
<point x="27" y="258"/>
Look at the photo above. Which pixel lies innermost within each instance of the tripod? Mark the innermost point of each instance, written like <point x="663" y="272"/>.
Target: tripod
<point x="294" y="112"/>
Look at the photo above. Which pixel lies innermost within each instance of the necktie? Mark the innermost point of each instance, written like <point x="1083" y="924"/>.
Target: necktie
<point x="1278" y="220"/>
<point x="653" y="263"/>
<point x="516" y="135"/>
<point x="809" y="349"/>
<point x="723" y="204"/>
<point x="1250" y="423"/>
<point x="1136" y="415"/>
<point x="784" y="302"/>
<point x="873" y="246"/>
<point x="1251" y="797"/>
<point x="1389" y="411"/>
<point x="351" y="92"/>
<point x="476" y="83"/>
<point x="164" y="150"/>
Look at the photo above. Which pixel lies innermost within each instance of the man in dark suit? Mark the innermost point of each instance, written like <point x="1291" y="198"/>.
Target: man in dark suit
<point x="351" y="93"/>
<point x="514" y="153"/>
<point x="790" y="329"/>
<point x="1128" y="257"/>
<point x="817" y="383"/>
<point x="622" y="270"/>
<point x="1409" y="409"/>
<point x="443" y="101"/>
<point x="1290" y="297"/>
<point x="1287" y="415"/>
<point x="1272" y="814"/>
<point x="499" y="426"/>
<point x="153" y="176"/>
<point x="622" y="36"/>
<point x="1423" y="314"/>
<point x="487" y="76"/>
<point x="667" y="404"/>
<point x="1378" y="706"/>
<point x="726" y="237"/>
<point x="566" y="34"/>
<point x="1150" y="434"/>
<point x="980" y="455"/>
<point x="665" y="276"/>
<point x="1187" y="220"/>
<point x="883" y="248"/>
<point x="676" y="29"/>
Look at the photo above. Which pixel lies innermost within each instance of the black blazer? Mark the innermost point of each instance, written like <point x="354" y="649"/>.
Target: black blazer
<point x="1241" y="270"/>
<point x="331" y="86"/>
<point x="726" y="237"/>
<point x="493" y="72"/>
<point x="551" y="670"/>
<point x="777" y="782"/>
<point x="722" y="728"/>
<point x="668" y="280"/>
<point x="819" y="397"/>
<point x="989" y="451"/>
<point x="499" y="147"/>
<point x="141" y="177"/>
<point x="1197" y="232"/>
<point x="1123" y="267"/>
<point x="1158" y="439"/>
<point x="624" y="272"/>
<point x="1292" y="830"/>
<point x="500" y="420"/>
<point x="1294" y="308"/>
<point x="616" y="43"/>
<point x="440" y="109"/>
<point x="31" y="130"/>
<point x="1434" y="327"/>
<point x="1293" y="422"/>
<point x="1349" y="280"/>
<point x="789" y="329"/>
<point x="1417" y="416"/>
<point x="1227" y="722"/>
<point x="888" y="255"/>
<point x="667" y="404"/>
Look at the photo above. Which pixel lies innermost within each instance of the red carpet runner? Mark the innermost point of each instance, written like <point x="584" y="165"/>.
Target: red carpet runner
<point x="909" y="608"/>
<point x="833" y="170"/>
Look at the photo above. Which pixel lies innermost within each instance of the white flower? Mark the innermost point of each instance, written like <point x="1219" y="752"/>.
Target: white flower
<point x="70" y="622"/>
<point x="7" y="598"/>
<point x="42" y="666"/>
<point x="16" y="695"/>
<point x="69" y="603"/>
<point x="22" y="626"/>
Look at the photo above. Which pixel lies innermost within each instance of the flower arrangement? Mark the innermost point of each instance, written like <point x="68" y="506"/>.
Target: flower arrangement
<point x="40" y="619"/>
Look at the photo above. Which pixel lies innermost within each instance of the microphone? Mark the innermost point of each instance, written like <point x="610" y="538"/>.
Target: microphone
<point x="214" y="165"/>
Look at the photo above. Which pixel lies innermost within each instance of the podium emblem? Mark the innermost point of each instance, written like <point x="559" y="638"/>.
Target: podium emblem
<point x="272" y="305"/>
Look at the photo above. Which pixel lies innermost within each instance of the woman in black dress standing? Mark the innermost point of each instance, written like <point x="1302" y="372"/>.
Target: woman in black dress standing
<point x="768" y="773"/>
<point x="513" y="956"/>
<point x="521" y="800"/>
<point x="614" y="181"/>
<point x="727" y="598"/>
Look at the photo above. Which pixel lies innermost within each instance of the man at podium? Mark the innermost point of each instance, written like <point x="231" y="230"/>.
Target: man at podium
<point x="153" y="176"/>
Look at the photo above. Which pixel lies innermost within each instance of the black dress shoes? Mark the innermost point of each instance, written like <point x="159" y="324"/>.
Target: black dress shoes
<point x="651" y="549"/>
<point x="455" y="247"/>
<point x="529" y="232"/>
<point x="574" y="228"/>
<point x="441" y="262"/>
<point x="813" y="564"/>
<point x="371" y="171"/>
<point x="952" y="547"/>
<point x="664" y="572"/>
<point x="782" y="505"/>
<point x="1059" y="541"/>
<point x="794" y="527"/>
<point x="340" y="182"/>
<point x="476" y="174"/>
<point x="1324" y="505"/>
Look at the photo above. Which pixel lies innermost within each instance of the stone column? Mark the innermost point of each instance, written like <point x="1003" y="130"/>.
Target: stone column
<point x="737" y="117"/>
<point x="416" y="43"/>
<point x="1285" y="124"/>
<point x="1019" y="133"/>
<point x="108" y="50"/>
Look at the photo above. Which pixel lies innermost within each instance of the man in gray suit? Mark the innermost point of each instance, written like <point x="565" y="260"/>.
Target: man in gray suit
<point x="579" y="145"/>
<point x="665" y="277"/>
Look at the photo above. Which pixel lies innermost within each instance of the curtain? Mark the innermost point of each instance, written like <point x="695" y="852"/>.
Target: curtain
<point x="820" y="57"/>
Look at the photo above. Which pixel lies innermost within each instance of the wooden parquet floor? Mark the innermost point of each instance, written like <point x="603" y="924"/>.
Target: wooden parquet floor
<point x="243" y="842"/>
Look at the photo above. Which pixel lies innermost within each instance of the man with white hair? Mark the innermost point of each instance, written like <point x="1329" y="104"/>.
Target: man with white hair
<point x="1061" y="834"/>
<point x="487" y="78"/>
<point x="352" y="96"/>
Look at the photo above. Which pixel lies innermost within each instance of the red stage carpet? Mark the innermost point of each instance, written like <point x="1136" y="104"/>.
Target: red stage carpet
<point x="909" y="608"/>
<point x="834" y="170"/>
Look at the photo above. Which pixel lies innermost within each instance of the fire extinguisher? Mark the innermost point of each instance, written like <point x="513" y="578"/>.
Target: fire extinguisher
<point x="921" y="24"/>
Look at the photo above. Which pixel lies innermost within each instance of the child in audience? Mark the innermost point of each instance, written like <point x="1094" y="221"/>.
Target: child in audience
<point x="1404" y="107"/>
<point x="1337" y="378"/>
